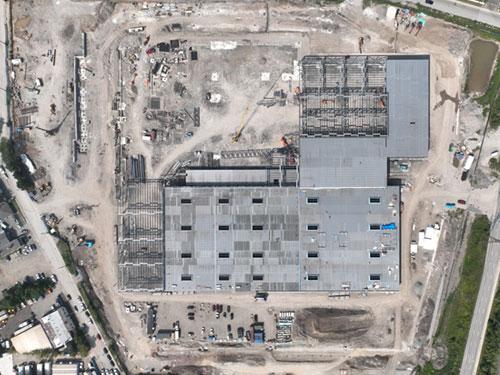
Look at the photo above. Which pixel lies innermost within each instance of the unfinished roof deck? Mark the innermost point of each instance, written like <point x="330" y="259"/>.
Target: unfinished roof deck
<point x="344" y="95"/>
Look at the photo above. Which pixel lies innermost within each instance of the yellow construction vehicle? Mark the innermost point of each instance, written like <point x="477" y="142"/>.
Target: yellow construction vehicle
<point x="237" y="135"/>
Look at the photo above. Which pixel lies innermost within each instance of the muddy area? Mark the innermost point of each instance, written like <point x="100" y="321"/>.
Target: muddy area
<point x="376" y="361"/>
<point x="326" y="324"/>
<point x="482" y="58"/>
<point x="249" y="359"/>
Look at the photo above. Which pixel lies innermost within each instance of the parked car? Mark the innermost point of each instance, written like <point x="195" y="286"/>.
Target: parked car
<point x="461" y="201"/>
<point x="430" y="2"/>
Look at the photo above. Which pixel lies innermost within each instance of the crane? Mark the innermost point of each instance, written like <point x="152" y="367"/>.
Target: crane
<point x="56" y="129"/>
<point x="237" y="135"/>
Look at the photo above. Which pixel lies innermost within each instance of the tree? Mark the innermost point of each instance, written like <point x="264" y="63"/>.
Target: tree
<point x="14" y="164"/>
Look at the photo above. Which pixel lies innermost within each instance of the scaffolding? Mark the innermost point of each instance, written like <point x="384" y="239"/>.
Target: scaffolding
<point x="141" y="253"/>
<point x="343" y="96"/>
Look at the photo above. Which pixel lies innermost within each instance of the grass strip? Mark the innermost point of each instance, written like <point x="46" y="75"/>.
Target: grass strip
<point x="455" y="322"/>
<point x="65" y="250"/>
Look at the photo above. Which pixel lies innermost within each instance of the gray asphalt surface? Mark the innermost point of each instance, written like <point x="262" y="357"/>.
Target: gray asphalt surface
<point x="3" y="59"/>
<point x="484" y="301"/>
<point x="465" y="10"/>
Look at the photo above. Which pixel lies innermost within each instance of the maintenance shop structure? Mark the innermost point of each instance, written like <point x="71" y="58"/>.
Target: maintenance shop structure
<point x="330" y="223"/>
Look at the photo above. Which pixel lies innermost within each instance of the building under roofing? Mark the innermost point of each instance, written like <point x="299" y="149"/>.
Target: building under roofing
<point x="30" y="340"/>
<point x="330" y="223"/>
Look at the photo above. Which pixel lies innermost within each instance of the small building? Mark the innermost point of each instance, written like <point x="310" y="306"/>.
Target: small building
<point x="65" y="369"/>
<point x="58" y="326"/>
<point x="165" y="334"/>
<point x="30" y="340"/>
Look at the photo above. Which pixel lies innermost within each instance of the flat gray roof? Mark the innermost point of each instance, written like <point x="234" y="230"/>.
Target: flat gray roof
<point x="343" y="162"/>
<point x="409" y="116"/>
<point x="243" y="176"/>
<point x="240" y="239"/>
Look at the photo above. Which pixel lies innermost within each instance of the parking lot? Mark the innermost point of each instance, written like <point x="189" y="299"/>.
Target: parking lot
<point x="211" y="322"/>
<point x="21" y="266"/>
<point x="33" y="310"/>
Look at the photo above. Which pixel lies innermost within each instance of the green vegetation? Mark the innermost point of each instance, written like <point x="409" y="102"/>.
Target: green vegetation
<point x="91" y="306"/>
<point x="491" y="98"/>
<point x="481" y="29"/>
<point x="494" y="164"/>
<point x="455" y="322"/>
<point x="94" y="305"/>
<point x="491" y="349"/>
<point x="16" y="166"/>
<point x="65" y="251"/>
<point x="44" y="353"/>
<point x="22" y="292"/>
<point x="15" y="208"/>
<point x="80" y="344"/>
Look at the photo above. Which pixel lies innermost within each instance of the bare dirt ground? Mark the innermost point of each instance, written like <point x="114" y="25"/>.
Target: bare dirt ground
<point x="270" y="37"/>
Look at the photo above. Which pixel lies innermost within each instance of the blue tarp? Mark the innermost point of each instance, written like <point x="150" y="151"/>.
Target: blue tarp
<point x="389" y="226"/>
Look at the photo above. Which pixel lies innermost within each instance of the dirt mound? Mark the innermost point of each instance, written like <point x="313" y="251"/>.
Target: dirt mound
<point x="327" y="324"/>
<point x="377" y="361"/>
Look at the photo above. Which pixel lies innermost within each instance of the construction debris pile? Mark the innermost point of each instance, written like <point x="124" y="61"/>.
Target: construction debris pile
<point x="407" y="18"/>
<point x="462" y="154"/>
<point x="284" y="324"/>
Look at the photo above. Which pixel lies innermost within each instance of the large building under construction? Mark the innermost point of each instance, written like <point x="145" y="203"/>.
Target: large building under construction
<point x="330" y="223"/>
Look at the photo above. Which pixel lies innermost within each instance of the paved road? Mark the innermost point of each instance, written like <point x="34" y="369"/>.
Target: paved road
<point x="465" y="10"/>
<point x="484" y="301"/>
<point x="3" y="63"/>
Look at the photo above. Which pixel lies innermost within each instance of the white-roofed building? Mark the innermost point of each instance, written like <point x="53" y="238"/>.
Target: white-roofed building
<point x="58" y="326"/>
